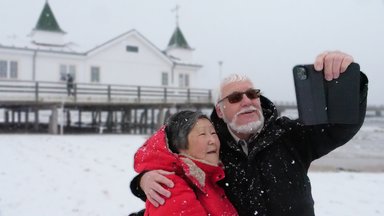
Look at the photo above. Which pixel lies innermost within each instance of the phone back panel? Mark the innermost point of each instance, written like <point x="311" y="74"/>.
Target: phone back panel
<point x="320" y="101"/>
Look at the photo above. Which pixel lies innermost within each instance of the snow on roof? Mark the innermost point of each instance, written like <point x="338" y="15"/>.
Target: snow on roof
<point x="17" y="42"/>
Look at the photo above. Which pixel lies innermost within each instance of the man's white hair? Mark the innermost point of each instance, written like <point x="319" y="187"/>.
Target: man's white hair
<point x="230" y="79"/>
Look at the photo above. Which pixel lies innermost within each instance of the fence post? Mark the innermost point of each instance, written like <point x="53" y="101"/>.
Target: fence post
<point x="109" y="93"/>
<point x="75" y="91"/>
<point x="165" y="95"/>
<point x="36" y="92"/>
<point x="138" y="94"/>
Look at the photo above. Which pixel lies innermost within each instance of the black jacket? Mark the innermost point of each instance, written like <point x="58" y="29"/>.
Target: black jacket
<point x="272" y="180"/>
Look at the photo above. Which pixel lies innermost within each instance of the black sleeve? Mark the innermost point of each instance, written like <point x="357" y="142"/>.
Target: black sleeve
<point x="136" y="189"/>
<point x="140" y="213"/>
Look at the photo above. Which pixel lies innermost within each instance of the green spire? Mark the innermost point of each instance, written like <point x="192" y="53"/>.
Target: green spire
<point x="47" y="21"/>
<point x="178" y="40"/>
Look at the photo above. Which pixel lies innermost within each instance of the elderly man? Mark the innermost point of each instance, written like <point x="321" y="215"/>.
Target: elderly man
<point x="266" y="157"/>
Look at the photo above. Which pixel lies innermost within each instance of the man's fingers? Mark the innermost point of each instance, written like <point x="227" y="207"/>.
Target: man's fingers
<point x="332" y="63"/>
<point x="319" y="61"/>
<point x="163" y="179"/>
<point x="159" y="189"/>
<point x="155" y="198"/>
<point x="154" y="203"/>
<point x="153" y="183"/>
<point x="328" y="67"/>
<point x="163" y="172"/>
<point x="337" y="58"/>
<point x="347" y="60"/>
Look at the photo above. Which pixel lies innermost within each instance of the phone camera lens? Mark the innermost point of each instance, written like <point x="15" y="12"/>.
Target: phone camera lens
<point x="301" y="73"/>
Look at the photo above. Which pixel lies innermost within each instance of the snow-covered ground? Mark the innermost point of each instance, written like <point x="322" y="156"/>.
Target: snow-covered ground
<point x="89" y="175"/>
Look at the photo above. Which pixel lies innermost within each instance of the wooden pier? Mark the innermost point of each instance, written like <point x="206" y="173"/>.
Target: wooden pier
<point x="46" y="107"/>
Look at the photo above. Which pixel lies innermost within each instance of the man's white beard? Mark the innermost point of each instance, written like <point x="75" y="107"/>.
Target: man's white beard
<point x="249" y="128"/>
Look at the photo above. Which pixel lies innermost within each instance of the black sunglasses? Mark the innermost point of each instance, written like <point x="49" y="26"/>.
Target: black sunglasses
<point x="236" y="97"/>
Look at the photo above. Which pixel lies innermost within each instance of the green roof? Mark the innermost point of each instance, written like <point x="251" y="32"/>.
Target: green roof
<point x="178" y="40"/>
<point x="47" y="21"/>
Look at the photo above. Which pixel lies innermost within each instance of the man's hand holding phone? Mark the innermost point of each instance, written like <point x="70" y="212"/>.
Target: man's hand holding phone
<point x="330" y="95"/>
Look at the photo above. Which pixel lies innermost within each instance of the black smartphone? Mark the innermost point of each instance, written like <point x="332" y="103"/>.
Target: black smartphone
<point x="322" y="102"/>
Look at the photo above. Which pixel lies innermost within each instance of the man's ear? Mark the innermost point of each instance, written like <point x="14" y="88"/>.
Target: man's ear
<point x="218" y="111"/>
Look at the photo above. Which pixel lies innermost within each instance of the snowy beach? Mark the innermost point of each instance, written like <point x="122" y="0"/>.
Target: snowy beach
<point x="89" y="175"/>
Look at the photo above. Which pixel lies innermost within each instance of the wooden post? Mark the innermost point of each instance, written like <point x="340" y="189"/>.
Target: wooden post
<point x="26" y="119"/>
<point x="152" y="120"/>
<point x="37" y="92"/>
<point x="68" y="118"/>
<point x="165" y="95"/>
<point x="75" y="92"/>
<point x="53" y="121"/>
<point x="109" y="93"/>
<point x="80" y="123"/>
<point x="36" y="123"/>
<point x="135" y="121"/>
<point x="160" y="118"/>
<point x="138" y="94"/>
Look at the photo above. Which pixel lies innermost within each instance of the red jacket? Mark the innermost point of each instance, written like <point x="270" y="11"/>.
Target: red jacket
<point x="195" y="192"/>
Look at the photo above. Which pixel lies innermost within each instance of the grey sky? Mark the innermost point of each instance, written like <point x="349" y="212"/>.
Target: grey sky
<point x="263" y="39"/>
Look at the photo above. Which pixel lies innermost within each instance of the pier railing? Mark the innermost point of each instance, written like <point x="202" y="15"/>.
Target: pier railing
<point x="12" y="91"/>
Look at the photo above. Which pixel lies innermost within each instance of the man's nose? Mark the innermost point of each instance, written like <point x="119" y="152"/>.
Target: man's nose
<point x="245" y="99"/>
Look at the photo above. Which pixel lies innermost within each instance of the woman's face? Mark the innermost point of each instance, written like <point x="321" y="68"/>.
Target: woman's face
<point x="203" y="142"/>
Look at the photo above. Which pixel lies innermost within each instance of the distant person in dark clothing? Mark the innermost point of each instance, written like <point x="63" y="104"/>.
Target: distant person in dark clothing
<point x="69" y="84"/>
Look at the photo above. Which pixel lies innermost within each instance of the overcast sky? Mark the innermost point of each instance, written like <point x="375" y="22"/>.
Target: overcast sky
<point x="261" y="38"/>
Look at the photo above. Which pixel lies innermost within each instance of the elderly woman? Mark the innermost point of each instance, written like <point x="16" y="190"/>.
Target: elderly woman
<point x="188" y="147"/>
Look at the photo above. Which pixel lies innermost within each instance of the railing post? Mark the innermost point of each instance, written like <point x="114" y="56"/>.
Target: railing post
<point x="138" y="94"/>
<point x="188" y="95"/>
<point x="165" y="95"/>
<point x="109" y="93"/>
<point x="36" y="92"/>
<point x="75" y="91"/>
<point x="210" y="96"/>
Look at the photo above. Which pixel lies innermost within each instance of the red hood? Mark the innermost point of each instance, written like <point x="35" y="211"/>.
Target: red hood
<point x="155" y="154"/>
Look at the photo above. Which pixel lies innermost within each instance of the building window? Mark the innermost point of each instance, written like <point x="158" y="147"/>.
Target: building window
<point x="63" y="72"/>
<point x="186" y="80"/>
<point x="95" y="74"/>
<point x="164" y="79"/>
<point x="3" y="69"/>
<point x="183" y="80"/>
<point x="13" y="70"/>
<point x="8" y="69"/>
<point x="132" y="49"/>
<point x="67" y="69"/>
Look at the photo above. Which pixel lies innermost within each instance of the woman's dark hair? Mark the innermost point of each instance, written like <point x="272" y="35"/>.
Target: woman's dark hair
<point x="178" y="126"/>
